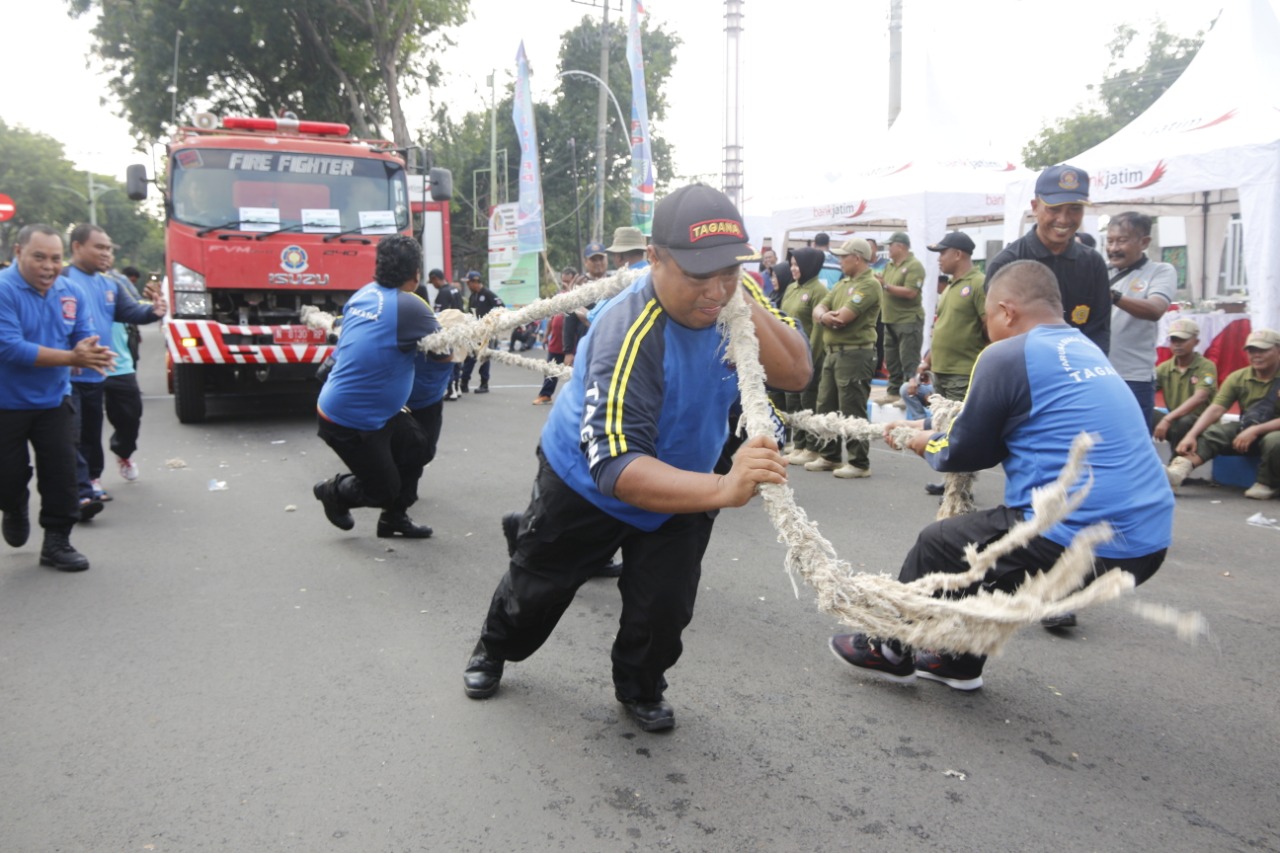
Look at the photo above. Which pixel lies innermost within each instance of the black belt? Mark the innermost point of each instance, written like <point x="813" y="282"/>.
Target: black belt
<point x="839" y="347"/>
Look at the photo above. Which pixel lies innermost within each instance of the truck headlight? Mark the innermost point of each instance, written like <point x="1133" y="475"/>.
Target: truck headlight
<point x="191" y="304"/>
<point x="187" y="279"/>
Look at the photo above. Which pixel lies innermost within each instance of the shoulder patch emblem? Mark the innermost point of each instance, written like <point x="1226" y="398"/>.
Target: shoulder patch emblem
<point x="966" y="290"/>
<point x="68" y="307"/>
<point x="857" y="299"/>
<point x="804" y="297"/>
<point x="1080" y="315"/>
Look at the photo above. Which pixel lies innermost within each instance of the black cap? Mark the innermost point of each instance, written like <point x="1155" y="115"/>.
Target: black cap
<point x="436" y="273"/>
<point x="701" y="229"/>
<point x="954" y="240"/>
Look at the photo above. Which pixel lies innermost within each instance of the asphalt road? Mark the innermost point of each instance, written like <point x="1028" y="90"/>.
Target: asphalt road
<point x="235" y="674"/>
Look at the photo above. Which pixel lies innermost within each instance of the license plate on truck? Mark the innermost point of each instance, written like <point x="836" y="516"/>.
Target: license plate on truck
<point x="298" y="335"/>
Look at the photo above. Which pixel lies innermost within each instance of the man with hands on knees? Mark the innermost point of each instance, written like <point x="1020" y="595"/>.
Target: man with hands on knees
<point x="628" y="457"/>
<point x="40" y="315"/>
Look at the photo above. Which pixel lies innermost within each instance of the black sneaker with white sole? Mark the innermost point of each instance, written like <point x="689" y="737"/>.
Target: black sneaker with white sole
<point x="861" y="651"/>
<point x="959" y="672"/>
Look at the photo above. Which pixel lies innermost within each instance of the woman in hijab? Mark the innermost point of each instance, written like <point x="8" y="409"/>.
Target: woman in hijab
<point x="798" y="302"/>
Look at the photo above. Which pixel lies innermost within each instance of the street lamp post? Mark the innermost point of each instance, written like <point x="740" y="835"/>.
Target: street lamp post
<point x="577" y="201"/>
<point x="96" y="191"/>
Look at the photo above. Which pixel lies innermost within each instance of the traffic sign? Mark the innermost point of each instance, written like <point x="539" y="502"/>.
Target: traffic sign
<point x="7" y="208"/>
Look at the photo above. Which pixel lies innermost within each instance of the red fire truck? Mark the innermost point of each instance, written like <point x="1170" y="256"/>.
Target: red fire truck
<point x="263" y="216"/>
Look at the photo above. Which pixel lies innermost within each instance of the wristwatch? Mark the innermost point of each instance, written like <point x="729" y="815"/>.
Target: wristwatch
<point x="1116" y="296"/>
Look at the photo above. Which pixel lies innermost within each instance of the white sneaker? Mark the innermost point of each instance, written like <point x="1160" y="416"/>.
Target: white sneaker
<point x="800" y="457"/>
<point x="851" y="472"/>
<point x="821" y="464"/>
<point x="1260" y="492"/>
<point x="1177" y="472"/>
<point x="128" y="469"/>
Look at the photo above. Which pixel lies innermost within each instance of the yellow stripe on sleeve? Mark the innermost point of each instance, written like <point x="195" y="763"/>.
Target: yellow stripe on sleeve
<point x="622" y="372"/>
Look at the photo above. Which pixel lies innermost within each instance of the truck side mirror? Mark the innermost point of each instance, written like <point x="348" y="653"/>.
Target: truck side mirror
<point x="441" y="180"/>
<point x="135" y="182"/>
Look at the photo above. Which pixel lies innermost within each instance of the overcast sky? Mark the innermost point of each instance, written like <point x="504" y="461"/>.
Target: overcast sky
<point x="814" y="82"/>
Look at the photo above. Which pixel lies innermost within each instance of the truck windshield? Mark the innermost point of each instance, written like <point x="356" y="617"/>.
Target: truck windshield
<point x="274" y="190"/>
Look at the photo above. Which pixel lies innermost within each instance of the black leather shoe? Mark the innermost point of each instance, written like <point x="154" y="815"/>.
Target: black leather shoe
<point x="339" y="516"/>
<point x="58" y="553"/>
<point x="650" y="716"/>
<point x="89" y="507"/>
<point x="483" y="673"/>
<point x="483" y="389"/>
<point x="399" y="524"/>
<point x="17" y="527"/>
<point x="511" y="529"/>
<point x="934" y="489"/>
<point x="609" y="570"/>
<point x="1062" y="620"/>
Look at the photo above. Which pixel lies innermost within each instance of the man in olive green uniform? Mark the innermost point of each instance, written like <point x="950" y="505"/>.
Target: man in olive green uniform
<point x="902" y="311"/>
<point x="1187" y="382"/>
<point x="959" y="331"/>
<point x="798" y="302"/>
<point x="848" y="316"/>
<point x="1209" y="438"/>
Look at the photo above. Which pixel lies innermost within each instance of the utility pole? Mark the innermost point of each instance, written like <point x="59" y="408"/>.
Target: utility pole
<point x="493" y="144"/>
<point x="733" y="108"/>
<point x="602" y="118"/>
<point x="577" y="198"/>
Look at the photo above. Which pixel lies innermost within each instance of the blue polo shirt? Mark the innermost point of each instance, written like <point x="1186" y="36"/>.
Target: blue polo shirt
<point x="28" y="321"/>
<point x="105" y="303"/>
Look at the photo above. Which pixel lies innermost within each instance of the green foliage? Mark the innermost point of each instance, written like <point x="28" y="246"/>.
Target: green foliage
<point x="462" y="145"/>
<point x="47" y="188"/>
<point x="1125" y="93"/>
<point x="329" y="60"/>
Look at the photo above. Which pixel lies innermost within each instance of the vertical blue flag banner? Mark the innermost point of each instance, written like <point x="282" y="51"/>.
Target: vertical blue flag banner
<point x="641" y="156"/>
<point x="530" y="234"/>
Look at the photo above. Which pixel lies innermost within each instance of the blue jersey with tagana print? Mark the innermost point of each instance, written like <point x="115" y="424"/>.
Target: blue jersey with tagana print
<point x="374" y="368"/>
<point x="643" y="385"/>
<point x="1029" y="397"/>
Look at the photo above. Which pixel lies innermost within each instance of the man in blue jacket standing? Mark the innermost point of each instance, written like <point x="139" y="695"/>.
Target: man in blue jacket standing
<point x="105" y="303"/>
<point x="44" y="333"/>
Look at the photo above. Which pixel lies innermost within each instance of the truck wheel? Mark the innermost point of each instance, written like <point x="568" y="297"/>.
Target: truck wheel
<point x="188" y="393"/>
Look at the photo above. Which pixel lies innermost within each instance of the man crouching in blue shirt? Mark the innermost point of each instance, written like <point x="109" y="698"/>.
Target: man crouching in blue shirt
<point x="627" y="456"/>
<point x="1034" y="389"/>
<point x="361" y="406"/>
<point x="43" y="334"/>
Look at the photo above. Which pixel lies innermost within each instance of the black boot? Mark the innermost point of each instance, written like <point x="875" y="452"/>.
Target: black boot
<point x="483" y="389"/>
<point x="326" y="491"/>
<point x="466" y="386"/>
<point x="57" y="551"/>
<point x="17" y="527"/>
<point x="483" y="673"/>
<point x="391" y="523"/>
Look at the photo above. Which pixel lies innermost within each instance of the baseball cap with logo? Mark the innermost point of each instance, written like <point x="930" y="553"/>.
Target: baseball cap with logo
<point x="593" y="249"/>
<point x="1063" y="185"/>
<point x="854" y="246"/>
<point x="701" y="229"/>
<point x="954" y="240"/>
<point x="1184" y="329"/>
<point x="1262" y="339"/>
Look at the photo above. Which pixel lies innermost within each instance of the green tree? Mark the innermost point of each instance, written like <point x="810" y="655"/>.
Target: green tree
<point x="343" y="60"/>
<point x="463" y="144"/>
<point x="1123" y="95"/>
<point x="46" y="187"/>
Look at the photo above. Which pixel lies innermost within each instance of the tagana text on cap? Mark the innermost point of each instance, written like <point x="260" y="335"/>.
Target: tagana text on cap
<point x="1263" y="339"/>
<point x="900" y="237"/>
<point x="1184" y="329"/>
<point x="954" y="240"/>
<point x="593" y="249"/>
<point x="1063" y="185"/>
<point x="701" y="229"/>
<point x="627" y="239"/>
<point x="854" y="246"/>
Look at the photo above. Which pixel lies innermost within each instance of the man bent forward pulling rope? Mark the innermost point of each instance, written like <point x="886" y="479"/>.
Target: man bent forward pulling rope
<point x="1037" y="386"/>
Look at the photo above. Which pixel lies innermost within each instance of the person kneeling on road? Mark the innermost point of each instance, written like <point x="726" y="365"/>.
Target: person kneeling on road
<point x="1034" y="389"/>
<point x="361" y="406"/>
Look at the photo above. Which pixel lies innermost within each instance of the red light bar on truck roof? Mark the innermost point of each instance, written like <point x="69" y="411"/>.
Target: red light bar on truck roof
<point x="287" y="125"/>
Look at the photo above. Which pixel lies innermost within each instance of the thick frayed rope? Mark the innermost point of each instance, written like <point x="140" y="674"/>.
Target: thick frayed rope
<point x="881" y="606"/>
<point x="546" y="368"/>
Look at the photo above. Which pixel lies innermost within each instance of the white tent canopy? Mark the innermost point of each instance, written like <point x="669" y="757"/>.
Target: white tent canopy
<point x="1207" y="149"/>
<point x="925" y="176"/>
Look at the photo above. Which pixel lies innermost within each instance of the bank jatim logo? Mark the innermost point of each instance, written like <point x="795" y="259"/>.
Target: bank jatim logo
<point x="293" y="259"/>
